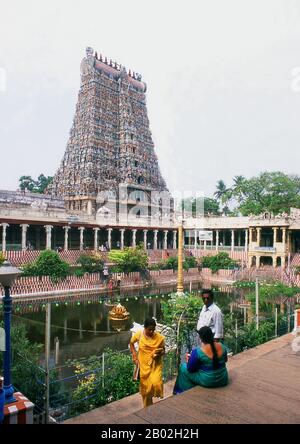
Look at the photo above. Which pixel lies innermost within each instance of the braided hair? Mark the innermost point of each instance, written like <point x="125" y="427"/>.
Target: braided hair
<point x="207" y="336"/>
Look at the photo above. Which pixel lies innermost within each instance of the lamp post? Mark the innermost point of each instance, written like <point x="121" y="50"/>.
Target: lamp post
<point x="180" y="260"/>
<point x="8" y="274"/>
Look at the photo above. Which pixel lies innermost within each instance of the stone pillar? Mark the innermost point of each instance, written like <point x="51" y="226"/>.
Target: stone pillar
<point x="48" y="236"/>
<point x="232" y="240"/>
<point x="155" y="240"/>
<point x="217" y="240"/>
<point x="165" y="239"/>
<point x="282" y="261"/>
<point x="195" y="239"/>
<point x="274" y="258"/>
<point x="289" y="241"/>
<point x="145" y="239"/>
<point x="89" y="207"/>
<point x="246" y="240"/>
<point x="24" y="233"/>
<point x="4" y="226"/>
<point x="250" y="235"/>
<point x="284" y="238"/>
<point x="81" y="229"/>
<point x="66" y="243"/>
<point x="134" y="237"/>
<point x="122" y="230"/>
<point x="174" y="240"/>
<point x="274" y="236"/>
<point x="80" y="329"/>
<point x="65" y="330"/>
<point x="239" y="238"/>
<point x="205" y="244"/>
<point x="109" y="230"/>
<point x="257" y="261"/>
<point x="258" y="236"/>
<point x="96" y="230"/>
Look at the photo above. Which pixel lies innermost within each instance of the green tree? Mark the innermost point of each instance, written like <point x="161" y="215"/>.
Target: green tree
<point x="35" y="186"/>
<point x="218" y="262"/>
<point x="275" y="192"/>
<point x="198" y="205"/>
<point x="211" y="206"/>
<point x="48" y="264"/>
<point x="27" y="183"/>
<point x="42" y="183"/>
<point x="222" y="193"/>
<point x="90" y="264"/>
<point x="238" y="186"/>
<point x="130" y="259"/>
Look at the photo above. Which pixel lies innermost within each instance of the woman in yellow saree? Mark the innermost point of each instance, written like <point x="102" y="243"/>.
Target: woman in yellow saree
<point x="149" y="356"/>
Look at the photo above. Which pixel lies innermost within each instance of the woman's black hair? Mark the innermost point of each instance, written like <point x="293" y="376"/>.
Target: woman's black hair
<point x="207" y="336"/>
<point x="149" y="322"/>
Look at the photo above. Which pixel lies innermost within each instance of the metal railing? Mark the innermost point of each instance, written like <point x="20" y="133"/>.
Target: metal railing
<point x="85" y="384"/>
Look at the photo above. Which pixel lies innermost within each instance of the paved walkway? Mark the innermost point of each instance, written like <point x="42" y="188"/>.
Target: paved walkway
<point x="264" y="388"/>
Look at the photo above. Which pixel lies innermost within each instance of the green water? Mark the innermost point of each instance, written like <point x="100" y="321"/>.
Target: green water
<point x="81" y="323"/>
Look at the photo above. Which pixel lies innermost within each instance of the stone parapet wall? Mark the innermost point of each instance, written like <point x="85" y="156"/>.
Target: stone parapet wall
<point x="90" y="281"/>
<point x="19" y="258"/>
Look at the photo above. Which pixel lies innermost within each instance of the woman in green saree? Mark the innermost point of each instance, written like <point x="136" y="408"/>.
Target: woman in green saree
<point x="206" y="365"/>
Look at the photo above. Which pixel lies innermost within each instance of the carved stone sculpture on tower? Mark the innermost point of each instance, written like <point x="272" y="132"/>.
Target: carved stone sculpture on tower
<point x="110" y="141"/>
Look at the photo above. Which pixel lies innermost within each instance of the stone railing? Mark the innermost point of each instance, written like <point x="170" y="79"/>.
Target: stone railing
<point x="19" y="258"/>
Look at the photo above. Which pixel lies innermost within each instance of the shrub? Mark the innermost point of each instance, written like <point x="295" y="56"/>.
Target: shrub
<point x="26" y="374"/>
<point x="190" y="262"/>
<point x="130" y="259"/>
<point x="91" y="264"/>
<point x="218" y="262"/>
<point x="94" y="390"/>
<point x="48" y="264"/>
<point x="181" y="313"/>
<point x="79" y="272"/>
<point x="172" y="263"/>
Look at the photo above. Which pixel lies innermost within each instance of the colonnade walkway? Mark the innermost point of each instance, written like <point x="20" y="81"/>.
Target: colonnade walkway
<point x="264" y="388"/>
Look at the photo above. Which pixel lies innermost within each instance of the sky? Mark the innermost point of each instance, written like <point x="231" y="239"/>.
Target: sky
<point x="223" y="82"/>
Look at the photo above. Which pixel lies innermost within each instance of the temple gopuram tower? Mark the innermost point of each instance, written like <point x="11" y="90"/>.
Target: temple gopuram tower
<point x="110" y="145"/>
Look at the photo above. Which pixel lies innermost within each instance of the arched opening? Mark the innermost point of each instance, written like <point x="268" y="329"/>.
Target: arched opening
<point x="253" y="261"/>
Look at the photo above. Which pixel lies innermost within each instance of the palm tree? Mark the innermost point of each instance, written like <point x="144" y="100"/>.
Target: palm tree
<point x="238" y="187"/>
<point x="223" y="194"/>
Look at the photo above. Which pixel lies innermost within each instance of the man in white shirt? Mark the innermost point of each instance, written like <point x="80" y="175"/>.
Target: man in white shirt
<point x="211" y="316"/>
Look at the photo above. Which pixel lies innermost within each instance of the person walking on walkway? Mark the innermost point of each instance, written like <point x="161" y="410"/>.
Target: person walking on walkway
<point x="206" y="366"/>
<point x="211" y="315"/>
<point x="151" y="347"/>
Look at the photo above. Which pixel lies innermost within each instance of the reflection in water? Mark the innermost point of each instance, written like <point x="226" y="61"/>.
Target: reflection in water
<point x="82" y="325"/>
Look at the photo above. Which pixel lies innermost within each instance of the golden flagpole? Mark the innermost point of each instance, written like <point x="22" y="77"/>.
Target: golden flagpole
<point x="180" y="260"/>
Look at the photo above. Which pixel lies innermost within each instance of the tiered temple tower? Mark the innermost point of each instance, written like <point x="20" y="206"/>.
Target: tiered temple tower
<point x="110" y="143"/>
